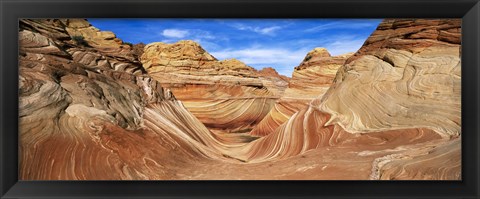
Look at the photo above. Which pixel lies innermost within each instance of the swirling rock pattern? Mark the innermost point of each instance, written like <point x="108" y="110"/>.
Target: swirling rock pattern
<point x="407" y="75"/>
<point x="91" y="112"/>
<point x="401" y="90"/>
<point x="431" y="161"/>
<point x="310" y="80"/>
<point x="106" y="51"/>
<point x="225" y="95"/>
<point x="315" y="74"/>
<point x="82" y="118"/>
<point x="306" y="130"/>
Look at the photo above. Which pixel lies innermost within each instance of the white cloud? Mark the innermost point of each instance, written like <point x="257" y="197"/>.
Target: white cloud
<point x="268" y="30"/>
<point x="283" y="60"/>
<point x="336" y="45"/>
<point x="346" y="46"/>
<point x="207" y="45"/>
<point x="341" y="44"/>
<point x="170" y="40"/>
<point x="175" y="33"/>
<point x="342" y="25"/>
<point x="201" y="34"/>
<point x="261" y="30"/>
<point x="205" y="38"/>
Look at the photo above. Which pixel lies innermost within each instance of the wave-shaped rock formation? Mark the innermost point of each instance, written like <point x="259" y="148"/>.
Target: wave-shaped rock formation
<point x="310" y="80"/>
<point x="407" y="74"/>
<point x="225" y="95"/>
<point x="90" y="110"/>
<point x="401" y="88"/>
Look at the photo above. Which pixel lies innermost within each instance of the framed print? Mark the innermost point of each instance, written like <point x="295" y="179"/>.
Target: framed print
<point x="239" y="99"/>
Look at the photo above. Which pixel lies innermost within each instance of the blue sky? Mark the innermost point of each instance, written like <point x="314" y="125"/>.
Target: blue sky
<point x="278" y="43"/>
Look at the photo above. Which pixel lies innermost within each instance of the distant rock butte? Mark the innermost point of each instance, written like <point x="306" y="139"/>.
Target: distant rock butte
<point x="225" y="95"/>
<point x="189" y="58"/>
<point x="275" y="82"/>
<point x="310" y="80"/>
<point x="271" y="72"/>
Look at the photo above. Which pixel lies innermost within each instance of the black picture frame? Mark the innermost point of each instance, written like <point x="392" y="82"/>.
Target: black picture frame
<point x="12" y="10"/>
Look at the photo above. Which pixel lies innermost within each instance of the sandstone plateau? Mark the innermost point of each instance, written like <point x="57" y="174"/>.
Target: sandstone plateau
<point x="92" y="107"/>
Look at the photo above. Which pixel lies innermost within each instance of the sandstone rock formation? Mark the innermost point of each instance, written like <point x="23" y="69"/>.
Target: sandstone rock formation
<point x="89" y="113"/>
<point x="310" y="80"/>
<point x="88" y="110"/>
<point x="105" y="50"/>
<point x="407" y="75"/>
<point x="225" y="95"/>
<point x="269" y="72"/>
<point x="315" y="74"/>
<point x="274" y="82"/>
<point x="137" y="50"/>
<point x="401" y="88"/>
